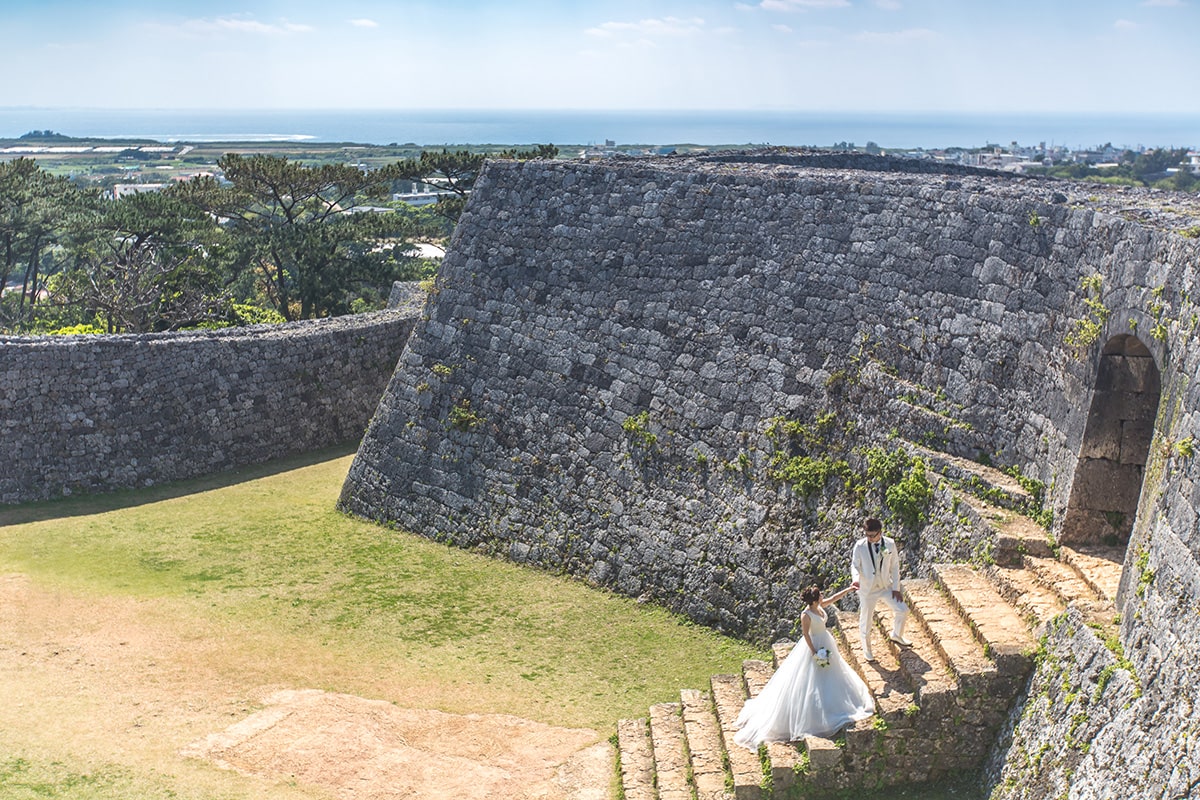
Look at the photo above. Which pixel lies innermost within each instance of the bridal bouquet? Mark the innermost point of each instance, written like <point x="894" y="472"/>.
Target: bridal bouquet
<point x="822" y="657"/>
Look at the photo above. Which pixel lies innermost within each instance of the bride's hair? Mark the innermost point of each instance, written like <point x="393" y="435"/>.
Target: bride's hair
<point x="810" y="594"/>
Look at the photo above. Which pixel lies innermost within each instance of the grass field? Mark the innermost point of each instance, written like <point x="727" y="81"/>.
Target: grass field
<point x="268" y="585"/>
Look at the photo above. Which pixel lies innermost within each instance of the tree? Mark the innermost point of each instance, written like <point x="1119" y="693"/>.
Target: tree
<point x="455" y="172"/>
<point x="1154" y="163"/>
<point x="35" y="208"/>
<point x="145" y="264"/>
<point x="302" y="231"/>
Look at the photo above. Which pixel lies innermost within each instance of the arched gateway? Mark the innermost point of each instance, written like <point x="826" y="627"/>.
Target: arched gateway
<point x="1116" y="444"/>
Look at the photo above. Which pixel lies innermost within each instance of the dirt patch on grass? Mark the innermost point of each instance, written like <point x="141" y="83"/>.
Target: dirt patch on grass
<point x="372" y="748"/>
<point x="119" y="681"/>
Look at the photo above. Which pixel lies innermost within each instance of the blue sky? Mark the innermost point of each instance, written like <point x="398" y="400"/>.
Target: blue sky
<point x="823" y="55"/>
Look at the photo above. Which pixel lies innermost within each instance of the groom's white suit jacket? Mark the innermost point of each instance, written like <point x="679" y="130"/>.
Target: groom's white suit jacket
<point x="883" y="574"/>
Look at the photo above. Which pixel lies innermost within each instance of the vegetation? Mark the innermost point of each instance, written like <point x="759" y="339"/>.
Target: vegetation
<point x="462" y="418"/>
<point x="273" y="234"/>
<point x="1134" y="169"/>
<point x="296" y="594"/>
<point x="453" y="172"/>
<point x="638" y="428"/>
<point x="809" y="457"/>
<point x="1087" y="329"/>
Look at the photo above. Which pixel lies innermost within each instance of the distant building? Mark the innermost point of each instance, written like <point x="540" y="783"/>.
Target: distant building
<point x="1194" y="161"/>
<point x="422" y="194"/>
<point x="121" y="189"/>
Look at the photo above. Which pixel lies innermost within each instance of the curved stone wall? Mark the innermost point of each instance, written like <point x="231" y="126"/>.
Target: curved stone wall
<point x="98" y="413"/>
<point x="609" y="344"/>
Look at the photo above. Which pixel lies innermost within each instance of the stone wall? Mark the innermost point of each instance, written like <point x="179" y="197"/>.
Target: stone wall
<point x="99" y="413"/>
<point x="594" y="387"/>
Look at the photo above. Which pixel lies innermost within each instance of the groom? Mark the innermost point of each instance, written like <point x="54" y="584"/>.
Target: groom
<point x="875" y="568"/>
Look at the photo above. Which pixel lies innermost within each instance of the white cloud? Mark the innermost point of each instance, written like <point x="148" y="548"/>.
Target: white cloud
<point x="1126" y="25"/>
<point x="801" y="5"/>
<point x="782" y="28"/>
<point x="888" y="5"/>
<point x="667" y="26"/>
<point x="242" y="25"/>
<point x="364" y="23"/>
<point x="907" y="35"/>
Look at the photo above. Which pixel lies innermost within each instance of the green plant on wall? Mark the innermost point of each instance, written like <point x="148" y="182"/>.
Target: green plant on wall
<point x="803" y="457"/>
<point x="1185" y="447"/>
<point x="1158" y="310"/>
<point x="462" y="418"/>
<point x="1088" y="328"/>
<point x="638" y="428"/>
<point x="1145" y="572"/>
<point x="807" y="475"/>
<point x="810" y="458"/>
<point x="909" y="497"/>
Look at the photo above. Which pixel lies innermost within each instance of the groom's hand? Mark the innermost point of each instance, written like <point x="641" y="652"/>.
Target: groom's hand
<point x="854" y="586"/>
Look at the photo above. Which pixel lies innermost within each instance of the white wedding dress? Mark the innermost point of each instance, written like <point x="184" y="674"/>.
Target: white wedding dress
<point x="803" y="698"/>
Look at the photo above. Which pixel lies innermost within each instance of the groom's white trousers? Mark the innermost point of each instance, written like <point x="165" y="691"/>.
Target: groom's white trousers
<point x="867" y="600"/>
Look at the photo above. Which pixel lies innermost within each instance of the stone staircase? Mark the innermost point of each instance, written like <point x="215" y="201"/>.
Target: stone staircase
<point x="939" y="704"/>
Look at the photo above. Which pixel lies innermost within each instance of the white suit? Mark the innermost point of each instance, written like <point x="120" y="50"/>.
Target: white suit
<point x="877" y="572"/>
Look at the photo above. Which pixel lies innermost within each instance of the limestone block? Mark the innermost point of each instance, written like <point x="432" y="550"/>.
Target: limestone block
<point x="1103" y="439"/>
<point x="1108" y="486"/>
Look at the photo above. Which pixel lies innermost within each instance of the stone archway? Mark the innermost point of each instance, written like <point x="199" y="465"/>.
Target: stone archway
<point x="1116" y="444"/>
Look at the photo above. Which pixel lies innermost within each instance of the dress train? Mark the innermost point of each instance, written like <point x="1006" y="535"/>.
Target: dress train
<point x="805" y="698"/>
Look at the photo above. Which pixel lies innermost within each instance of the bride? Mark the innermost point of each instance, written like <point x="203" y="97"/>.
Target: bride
<point x="814" y="691"/>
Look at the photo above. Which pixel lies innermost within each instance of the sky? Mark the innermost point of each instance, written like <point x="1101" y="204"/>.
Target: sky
<point x="1094" y="56"/>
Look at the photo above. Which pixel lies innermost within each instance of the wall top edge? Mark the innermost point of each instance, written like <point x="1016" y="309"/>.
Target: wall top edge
<point x="285" y="330"/>
<point x="1154" y="209"/>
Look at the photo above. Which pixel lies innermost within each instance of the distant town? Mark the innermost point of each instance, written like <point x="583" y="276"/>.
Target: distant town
<point x="124" y="167"/>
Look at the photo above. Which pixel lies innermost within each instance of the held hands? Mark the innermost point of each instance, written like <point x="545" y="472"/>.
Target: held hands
<point x="854" y="586"/>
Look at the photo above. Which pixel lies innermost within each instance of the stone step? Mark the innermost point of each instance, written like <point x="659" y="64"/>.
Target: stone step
<point x="728" y="694"/>
<point x="883" y="676"/>
<point x="932" y="680"/>
<point x="756" y="674"/>
<point x="952" y="639"/>
<point x="980" y="480"/>
<point x="996" y="624"/>
<point x="824" y="756"/>
<point x="783" y="756"/>
<point x="1037" y="602"/>
<point x="704" y="744"/>
<point x="637" y="759"/>
<point x="1100" y="566"/>
<point x="1063" y="578"/>
<point x="670" y="755"/>
<point x="1070" y="586"/>
<point x="1016" y="534"/>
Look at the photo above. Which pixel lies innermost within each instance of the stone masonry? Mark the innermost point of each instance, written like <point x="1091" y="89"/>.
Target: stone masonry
<point x="608" y="345"/>
<point x="99" y="413"/>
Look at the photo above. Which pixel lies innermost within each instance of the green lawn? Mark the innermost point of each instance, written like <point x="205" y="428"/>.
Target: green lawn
<point x="352" y="607"/>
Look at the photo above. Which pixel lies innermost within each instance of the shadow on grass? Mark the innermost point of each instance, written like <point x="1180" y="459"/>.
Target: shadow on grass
<point x="83" y="505"/>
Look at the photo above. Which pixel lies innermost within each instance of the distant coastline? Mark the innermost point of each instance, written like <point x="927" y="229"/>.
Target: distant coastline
<point x="657" y="128"/>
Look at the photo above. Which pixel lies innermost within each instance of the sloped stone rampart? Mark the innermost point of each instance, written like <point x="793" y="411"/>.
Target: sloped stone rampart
<point x="85" y="414"/>
<point x="609" y="342"/>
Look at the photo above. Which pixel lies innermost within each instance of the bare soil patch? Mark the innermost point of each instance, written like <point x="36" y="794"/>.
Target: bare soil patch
<point x="123" y="681"/>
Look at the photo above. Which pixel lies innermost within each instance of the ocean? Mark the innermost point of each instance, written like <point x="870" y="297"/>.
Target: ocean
<point x="659" y="128"/>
